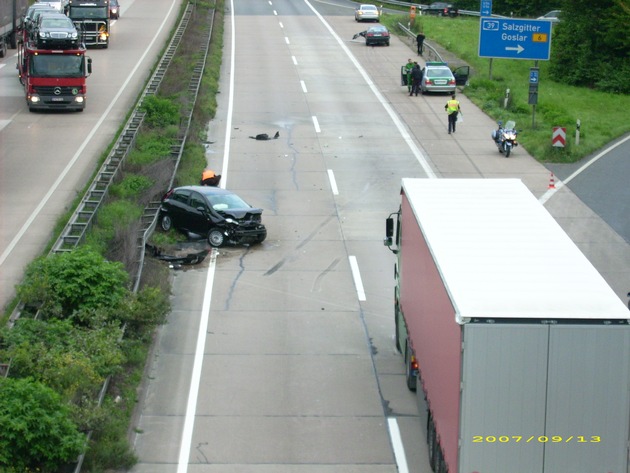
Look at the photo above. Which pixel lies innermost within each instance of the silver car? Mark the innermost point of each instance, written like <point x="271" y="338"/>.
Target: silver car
<point x="367" y="13"/>
<point x="437" y="77"/>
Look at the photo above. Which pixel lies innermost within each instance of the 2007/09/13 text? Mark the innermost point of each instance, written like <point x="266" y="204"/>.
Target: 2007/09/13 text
<point x="534" y="438"/>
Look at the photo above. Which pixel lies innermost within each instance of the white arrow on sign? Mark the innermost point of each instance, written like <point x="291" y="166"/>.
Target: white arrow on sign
<point x="519" y="49"/>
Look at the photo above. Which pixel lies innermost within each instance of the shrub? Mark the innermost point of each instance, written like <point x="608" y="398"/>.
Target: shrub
<point x="37" y="433"/>
<point x="62" y="283"/>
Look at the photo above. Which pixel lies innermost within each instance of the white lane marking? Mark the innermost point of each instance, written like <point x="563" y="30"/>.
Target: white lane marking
<point x="88" y="138"/>
<point x="399" y="450"/>
<point x="356" y="275"/>
<point x="402" y="129"/>
<point x="286" y="40"/>
<point x="303" y="86"/>
<point x="2" y="65"/>
<point x="294" y="59"/>
<point x="4" y="123"/>
<point x="316" y="125"/>
<point x="333" y="182"/>
<point x="281" y="25"/>
<point x="560" y="184"/>
<point x="230" y="109"/>
<point x="195" y="381"/>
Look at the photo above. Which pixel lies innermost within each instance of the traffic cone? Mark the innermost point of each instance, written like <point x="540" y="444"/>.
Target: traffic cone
<point x="552" y="184"/>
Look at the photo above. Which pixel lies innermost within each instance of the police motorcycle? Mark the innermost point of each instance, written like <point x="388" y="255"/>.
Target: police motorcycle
<point x="505" y="137"/>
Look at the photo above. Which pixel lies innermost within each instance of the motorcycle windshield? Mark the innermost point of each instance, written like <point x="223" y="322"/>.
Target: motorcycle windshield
<point x="510" y="125"/>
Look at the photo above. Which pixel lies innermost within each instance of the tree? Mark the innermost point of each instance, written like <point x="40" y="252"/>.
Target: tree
<point x="36" y="430"/>
<point x="590" y="47"/>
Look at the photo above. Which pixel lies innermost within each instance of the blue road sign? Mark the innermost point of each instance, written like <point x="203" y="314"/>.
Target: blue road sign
<point x="486" y="7"/>
<point x="533" y="75"/>
<point x="515" y="39"/>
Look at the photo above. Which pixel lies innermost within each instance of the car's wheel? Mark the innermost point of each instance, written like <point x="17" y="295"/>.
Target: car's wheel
<point x="166" y="223"/>
<point x="216" y="238"/>
<point x="387" y="44"/>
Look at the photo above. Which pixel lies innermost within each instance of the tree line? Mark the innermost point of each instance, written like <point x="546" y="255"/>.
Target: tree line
<point x="590" y="45"/>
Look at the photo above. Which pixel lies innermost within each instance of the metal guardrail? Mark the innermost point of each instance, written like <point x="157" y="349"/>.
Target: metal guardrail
<point x="83" y="217"/>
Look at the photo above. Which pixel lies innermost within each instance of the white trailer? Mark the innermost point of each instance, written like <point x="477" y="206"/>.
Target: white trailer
<point x="520" y="348"/>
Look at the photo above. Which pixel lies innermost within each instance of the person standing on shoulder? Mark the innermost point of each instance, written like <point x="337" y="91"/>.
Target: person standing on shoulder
<point x="416" y="77"/>
<point x="408" y="68"/>
<point x="420" y="41"/>
<point x="452" y="108"/>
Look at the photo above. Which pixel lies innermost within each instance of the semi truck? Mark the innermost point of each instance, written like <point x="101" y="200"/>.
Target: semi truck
<point x="54" y="79"/>
<point x="11" y="18"/>
<point x="517" y="348"/>
<point x="91" y="17"/>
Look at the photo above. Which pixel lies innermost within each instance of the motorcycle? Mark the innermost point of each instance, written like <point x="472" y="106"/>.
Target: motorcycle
<point x="505" y="137"/>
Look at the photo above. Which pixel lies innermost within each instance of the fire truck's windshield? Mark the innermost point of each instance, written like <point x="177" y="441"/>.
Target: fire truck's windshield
<point x="88" y="13"/>
<point x="48" y="65"/>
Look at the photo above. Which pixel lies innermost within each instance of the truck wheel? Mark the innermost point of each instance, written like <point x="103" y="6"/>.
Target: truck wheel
<point x="409" y="374"/>
<point x="397" y="333"/>
<point x="440" y="464"/>
<point x="3" y="49"/>
<point x="431" y="441"/>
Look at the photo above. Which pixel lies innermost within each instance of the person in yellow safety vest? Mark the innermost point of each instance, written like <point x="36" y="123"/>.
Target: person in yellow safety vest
<point x="209" y="178"/>
<point x="452" y="108"/>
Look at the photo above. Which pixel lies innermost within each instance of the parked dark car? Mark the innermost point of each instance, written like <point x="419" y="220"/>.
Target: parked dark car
<point x="218" y="214"/>
<point x="441" y="9"/>
<point x="377" y="34"/>
<point x="114" y="9"/>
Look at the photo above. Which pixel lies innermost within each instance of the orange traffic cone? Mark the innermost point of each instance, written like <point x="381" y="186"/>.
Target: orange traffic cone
<point x="552" y="183"/>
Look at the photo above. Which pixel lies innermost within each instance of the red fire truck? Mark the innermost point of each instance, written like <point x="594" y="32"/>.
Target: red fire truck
<point x="54" y="79"/>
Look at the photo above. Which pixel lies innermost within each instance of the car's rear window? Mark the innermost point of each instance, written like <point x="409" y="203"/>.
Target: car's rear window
<point x="439" y="73"/>
<point x="368" y="7"/>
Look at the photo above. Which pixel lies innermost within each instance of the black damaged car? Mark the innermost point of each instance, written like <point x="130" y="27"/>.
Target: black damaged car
<point x="218" y="214"/>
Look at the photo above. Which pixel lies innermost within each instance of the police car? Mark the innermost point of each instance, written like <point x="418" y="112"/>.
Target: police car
<point x="438" y="77"/>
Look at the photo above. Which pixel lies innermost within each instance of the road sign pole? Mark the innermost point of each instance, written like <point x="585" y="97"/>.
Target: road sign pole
<point x="534" y="80"/>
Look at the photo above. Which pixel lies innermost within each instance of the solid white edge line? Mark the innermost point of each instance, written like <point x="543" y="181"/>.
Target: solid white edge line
<point x="230" y="109"/>
<point x="76" y="156"/>
<point x="356" y="275"/>
<point x="191" y="407"/>
<point x="333" y="182"/>
<point x="195" y="380"/>
<point x="550" y="193"/>
<point x="399" y="449"/>
<point x="402" y="129"/>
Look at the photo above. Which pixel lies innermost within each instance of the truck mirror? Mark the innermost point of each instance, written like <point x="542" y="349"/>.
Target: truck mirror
<point x="89" y="65"/>
<point x="389" y="228"/>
